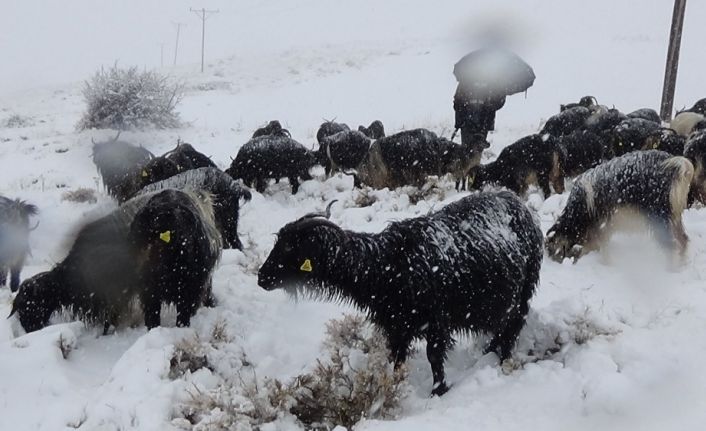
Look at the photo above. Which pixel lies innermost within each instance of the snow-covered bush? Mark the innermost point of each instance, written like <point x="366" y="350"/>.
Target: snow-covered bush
<point x="127" y="98"/>
<point x="355" y="380"/>
<point x="16" y="121"/>
<point x="80" y="195"/>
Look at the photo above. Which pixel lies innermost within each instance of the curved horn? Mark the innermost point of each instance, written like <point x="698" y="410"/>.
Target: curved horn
<point x="326" y="213"/>
<point x="117" y="136"/>
<point x="328" y="208"/>
<point x="35" y="226"/>
<point x="595" y="101"/>
<point x="13" y="311"/>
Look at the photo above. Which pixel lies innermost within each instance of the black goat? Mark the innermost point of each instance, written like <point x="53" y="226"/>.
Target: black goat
<point x="408" y="157"/>
<point x="533" y="159"/>
<point x="472" y="266"/>
<point x="586" y="102"/>
<point x="374" y="131"/>
<point x="653" y="183"/>
<point x="566" y="121"/>
<point x="275" y="157"/>
<point x="666" y="140"/>
<point x="186" y="157"/>
<point x="329" y="128"/>
<point x="646" y="114"/>
<point x="181" y="159"/>
<point x="96" y="281"/>
<point x="343" y="150"/>
<point x="602" y="121"/>
<point x="226" y="194"/>
<point x="120" y="165"/>
<point x="632" y="134"/>
<point x="699" y="107"/>
<point x="695" y="151"/>
<point x="583" y="150"/>
<point x="273" y="128"/>
<point x="14" y="238"/>
<point x="177" y="246"/>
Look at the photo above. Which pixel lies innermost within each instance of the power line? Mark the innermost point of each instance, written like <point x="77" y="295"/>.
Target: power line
<point x="202" y="14"/>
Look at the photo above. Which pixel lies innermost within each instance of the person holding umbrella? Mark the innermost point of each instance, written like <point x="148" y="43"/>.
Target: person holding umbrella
<point x="485" y="77"/>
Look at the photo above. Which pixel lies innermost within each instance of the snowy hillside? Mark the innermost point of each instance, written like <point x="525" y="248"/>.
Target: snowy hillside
<point x="610" y="343"/>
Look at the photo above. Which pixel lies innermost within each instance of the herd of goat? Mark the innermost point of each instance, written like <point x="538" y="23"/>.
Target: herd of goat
<point x="472" y="266"/>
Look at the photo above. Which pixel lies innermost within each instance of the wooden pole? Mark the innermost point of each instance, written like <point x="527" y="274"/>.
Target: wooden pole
<point x="201" y="13"/>
<point x="176" y="44"/>
<point x="670" y="73"/>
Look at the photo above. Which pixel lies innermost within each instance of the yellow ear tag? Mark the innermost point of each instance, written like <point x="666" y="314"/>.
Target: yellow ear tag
<point x="306" y="266"/>
<point x="166" y="236"/>
<point x="144" y="173"/>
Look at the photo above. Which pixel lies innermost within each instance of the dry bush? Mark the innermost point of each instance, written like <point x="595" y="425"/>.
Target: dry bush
<point x="81" y="195"/>
<point x="16" y="121"/>
<point x="354" y="381"/>
<point x="127" y="98"/>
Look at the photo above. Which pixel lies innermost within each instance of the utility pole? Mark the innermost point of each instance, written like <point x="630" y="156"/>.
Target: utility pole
<point x="176" y="45"/>
<point x="201" y="13"/>
<point x="670" y="73"/>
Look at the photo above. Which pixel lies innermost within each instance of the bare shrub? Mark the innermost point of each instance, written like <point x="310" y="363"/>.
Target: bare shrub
<point x="81" y="195"/>
<point x="354" y="381"/>
<point x="16" y="121"/>
<point x="127" y="98"/>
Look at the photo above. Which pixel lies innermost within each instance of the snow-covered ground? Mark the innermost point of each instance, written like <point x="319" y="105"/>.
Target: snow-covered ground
<point x="626" y="334"/>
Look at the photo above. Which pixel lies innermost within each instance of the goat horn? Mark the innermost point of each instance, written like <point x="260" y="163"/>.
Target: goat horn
<point x="328" y="208"/>
<point x="13" y="311"/>
<point x="117" y="136"/>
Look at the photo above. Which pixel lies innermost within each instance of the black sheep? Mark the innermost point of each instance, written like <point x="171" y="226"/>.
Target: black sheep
<point x="583" y="150"/>
<point x="646" y="114"/>
<point x="273" y="128"/>
<point x="120" y="165"/>
<point x="226" y="194"/>
<point x="653" y="183"/>
<point x="177" y="246"/>
<point x="409" y="157"/>
<point x="343" y="150"/>
<point x="472" y="267"/>
<point x="534" y="159"/>
<point x="275" y="157"/>
<point x="14" y="238"/>
<point x="96" y="281"/>
<point x="374" y="131"/>
<point x="632" y="134"/>
<point x="329" y="128"/>
<point x="566" y="121"/>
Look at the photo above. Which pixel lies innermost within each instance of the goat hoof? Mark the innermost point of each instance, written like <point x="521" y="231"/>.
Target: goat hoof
<point x="440" y="389"/>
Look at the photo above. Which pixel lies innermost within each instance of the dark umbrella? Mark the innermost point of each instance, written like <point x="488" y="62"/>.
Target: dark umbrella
<point x="493" y="72"/>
